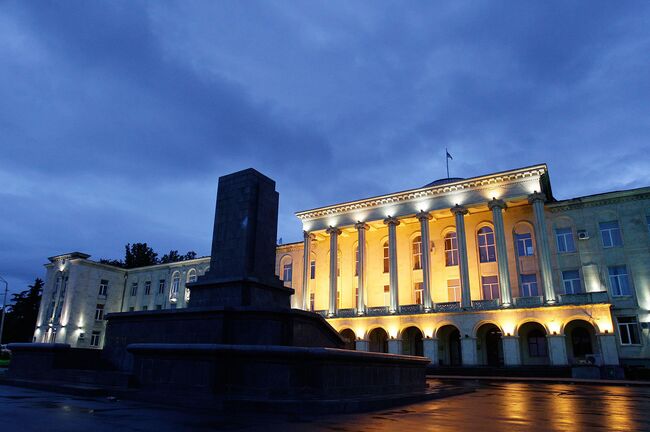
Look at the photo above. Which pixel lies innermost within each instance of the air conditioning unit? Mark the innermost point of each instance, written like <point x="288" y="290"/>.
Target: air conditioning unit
<point x="583" y="235"/>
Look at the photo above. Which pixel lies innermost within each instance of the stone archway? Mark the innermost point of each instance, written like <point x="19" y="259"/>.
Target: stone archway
<point x="489" y="347"/>
<point x="449" y="349"/>
<point x="581" y="342"/>
<point x="412" y="342"/>
<point x="350" y="339"/>
<point x="378" y="340"/>
<point x="533" y="344"/>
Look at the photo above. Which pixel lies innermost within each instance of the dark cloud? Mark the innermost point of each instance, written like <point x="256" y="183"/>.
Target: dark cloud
<point x="116" y="118"/>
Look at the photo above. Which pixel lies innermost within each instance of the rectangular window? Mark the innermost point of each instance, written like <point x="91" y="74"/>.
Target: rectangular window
<point x="619" y="281"/>
<point x="386" y="258"/>
<point x="99" y="312"/>
<point x="312" y="301"/>
<point x="610" y="233"/>
<point x="312" y="270"/>
<point x="564" y="240"/>
<point x="338" y="299"/>
<point x="571" y="282"/>
<point x="419" y="297"/>
<point x="161" y="286"/>
<point x="453" y="290"/>
<point x="417" y="253"/>
<point x="524" y="244"/>
<point x="287" y="274"/>
<point x="134" y="289"/>
<point x="647" y="219"/>
<point x="356" y="261"/>
<point x="147" y="288"/>
<point x="131" y="308"/>
<point x="529" y="285"/>
<point x="487" y="251"/>
<point x="387" y="295"/>
<point x="537" y="344"/>
<point x="490" y="286"/>
<point x="158" y="307"/>
<point x="145" y="307"/>
<point x="356" y="296"/>
<point x="103" y="287"/>
<point x="451" y="250"/>
<point x="628" y="329"/>
<point x="94" y="339"/>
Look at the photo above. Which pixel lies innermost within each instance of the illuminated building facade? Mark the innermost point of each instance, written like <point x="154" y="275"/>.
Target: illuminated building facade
<point x="490" y="270"/>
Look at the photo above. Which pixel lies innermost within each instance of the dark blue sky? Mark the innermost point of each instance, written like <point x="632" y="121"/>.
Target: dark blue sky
<point x="117" y="118"/>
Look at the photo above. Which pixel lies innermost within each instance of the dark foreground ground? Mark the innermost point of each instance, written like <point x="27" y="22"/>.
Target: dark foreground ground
<point x="498" y="406"/>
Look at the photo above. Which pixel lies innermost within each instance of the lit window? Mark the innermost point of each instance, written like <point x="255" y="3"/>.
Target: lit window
<point x="490" y="286"/>
<point x="619" y="281"/>
<point x="356" y="260"/>
<point x="103" y="287"/>
<point x="564" y="240"/>
<point x="312" y="269"/>
<point x="486" y="248"/>
<point x="287" y="273"/>
<point x="537" y="344"/>
<point x="571" y="282"/>
<point x="610" y="233"/>
<point x="99" y="312"/>
<point x="529" y="285"/>
<point x="628" y="329"/>
<point x="161" y="286"/>
<point x="419" y="297"/>
<point x="451" y="249"/>
<point x="312" y="301"/>
<point x="94" y="338"/>
<point x="453" y="290"/>
<point x="417" y="253"/>
<point x="134" y="289"/>
<point x="147" y="287"/>
<point x="176" y="283"/>
<point x="524" y="244"/>
<point x="387" y="295"/>
<point x="386" y="258"/>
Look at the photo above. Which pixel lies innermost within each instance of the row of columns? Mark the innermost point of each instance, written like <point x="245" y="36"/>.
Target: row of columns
<point x="496" y="206"/>
<point x="557" y="351"/>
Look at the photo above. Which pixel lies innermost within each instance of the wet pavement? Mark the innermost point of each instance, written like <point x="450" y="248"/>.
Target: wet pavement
<point x="497" y="406"/>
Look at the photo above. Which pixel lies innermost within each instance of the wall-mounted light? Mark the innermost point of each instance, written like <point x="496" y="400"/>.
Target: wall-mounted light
<point x="606" y="331"/>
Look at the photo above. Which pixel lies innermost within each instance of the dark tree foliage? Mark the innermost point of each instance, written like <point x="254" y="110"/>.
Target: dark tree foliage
<point x="22" y="313"/>
<point x="140" y="254"/>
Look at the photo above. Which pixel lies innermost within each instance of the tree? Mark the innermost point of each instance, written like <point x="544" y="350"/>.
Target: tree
<point x="174" y="256"/>
<point x="22" y="313"/>
<point x="113" y="262"/>
<point x="139" y="255"/>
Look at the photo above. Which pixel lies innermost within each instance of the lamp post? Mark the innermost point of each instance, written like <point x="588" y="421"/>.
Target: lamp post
<point x="4" y="308"/>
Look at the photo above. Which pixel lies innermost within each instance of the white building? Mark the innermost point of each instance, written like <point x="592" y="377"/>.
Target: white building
<point x="487" y="270"/>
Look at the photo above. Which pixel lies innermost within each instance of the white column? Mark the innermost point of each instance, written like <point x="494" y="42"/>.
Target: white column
<point x="543" y="249"/>
<point x="394" y="346"/>
<point x="362" y="345"/>
<point x="306" y="267"/>
<point x="361" y="276"/>
<point x="468" y="350"/>
<point x="460" y="212"/>
<point x="608" y="348"/>
<point x="511" y="353"/>
<point x="557" y="350"/>
<point x="424" y="218"/>
<point x="334" y="234"/>
<point x="392" y="267"/>
<point x="430" y="350"/>
<point x="497" y="207"/>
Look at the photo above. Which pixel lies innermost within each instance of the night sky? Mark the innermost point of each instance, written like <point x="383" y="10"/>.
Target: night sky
<point x="117" y="118"/>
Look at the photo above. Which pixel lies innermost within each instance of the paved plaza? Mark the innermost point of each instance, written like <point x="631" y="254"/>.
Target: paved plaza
<point x="492" y="407"/>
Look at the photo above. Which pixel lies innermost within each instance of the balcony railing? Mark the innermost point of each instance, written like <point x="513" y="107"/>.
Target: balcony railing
<point x="526" y="302"/>
<point x="347" y="313"/>
<point x="377" y="310"/>
<point x="411" y="309"/>
<point x="447" y="307"/>
<point x="584" y="298"/>
<point x="485" y="304"/>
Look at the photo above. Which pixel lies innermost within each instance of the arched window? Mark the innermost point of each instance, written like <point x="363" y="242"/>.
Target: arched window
<point x="176" y="283"/>
<point x="386" y="258"/>
<point x="191" y="276"/>
<point x="486" y="249"/>
<point x="417" y="253"/>
<point x="287" y="271"/>
<point x="451" y="249"/>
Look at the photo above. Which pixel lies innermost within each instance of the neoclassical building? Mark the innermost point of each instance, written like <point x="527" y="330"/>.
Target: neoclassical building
<point x="487" y="270"/>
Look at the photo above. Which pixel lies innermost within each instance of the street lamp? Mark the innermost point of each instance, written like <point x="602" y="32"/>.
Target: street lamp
<point x="4" y="307"/>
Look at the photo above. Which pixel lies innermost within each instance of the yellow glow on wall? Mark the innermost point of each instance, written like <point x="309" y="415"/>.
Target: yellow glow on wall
<point x="428" y="332"/>
<point x="496" y="192"/>
<point x="605" y="324"/>
<point x="393" y="331"/>
<point x="553" y="326"/>
<point x="360" y="332"/>
<point x="508" y="327"/>
<point x="361" y="216"/>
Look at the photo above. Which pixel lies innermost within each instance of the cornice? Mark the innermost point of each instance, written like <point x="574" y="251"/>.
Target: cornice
<point x="579" y="203"/>
<point x="476" y="183"/>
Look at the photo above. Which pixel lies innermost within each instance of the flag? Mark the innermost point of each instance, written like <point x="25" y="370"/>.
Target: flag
<point x="448" y="155"/>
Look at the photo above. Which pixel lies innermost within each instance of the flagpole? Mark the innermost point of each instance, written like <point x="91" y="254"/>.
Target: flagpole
<point x="447" y="160"/>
